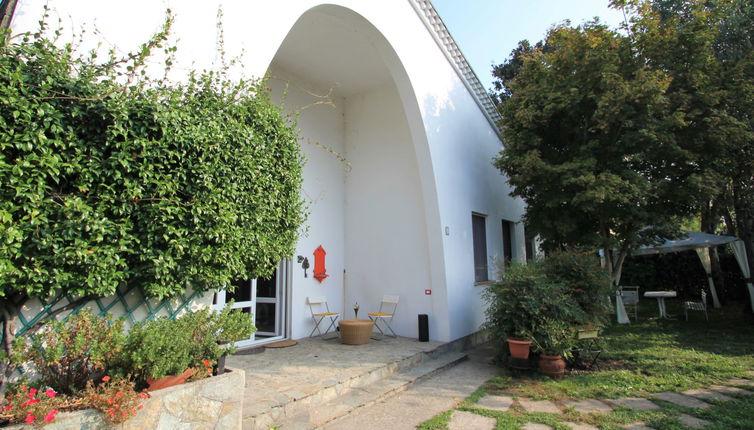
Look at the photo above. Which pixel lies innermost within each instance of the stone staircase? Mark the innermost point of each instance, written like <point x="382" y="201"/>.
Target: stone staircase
<point x="340" y="399"/>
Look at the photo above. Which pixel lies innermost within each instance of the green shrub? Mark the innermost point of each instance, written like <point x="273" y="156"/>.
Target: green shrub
<point x="553" y="338"/>
<point x="544" y="300"/>
<point x="162" y="346"/>
<point x="67" y="355"/>
<point x="521" y="303"/>
<point x="587" y="282"/>
<point x="155" y="184"/>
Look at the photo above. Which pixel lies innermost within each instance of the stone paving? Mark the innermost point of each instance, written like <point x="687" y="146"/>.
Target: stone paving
<point x="284" y="375"/>
<point x="467" y="420"/>
<point x="681" y="400"/>
<point x="588" y="406"/>
<point x="691" y="399"/>
<point x="545" y="406"/>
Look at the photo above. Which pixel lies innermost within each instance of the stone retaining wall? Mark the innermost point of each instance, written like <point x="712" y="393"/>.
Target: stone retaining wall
<point x="212" y="403"/>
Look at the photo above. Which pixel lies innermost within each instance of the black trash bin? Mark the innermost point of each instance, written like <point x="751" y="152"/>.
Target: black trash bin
<point x="423" y="328"/>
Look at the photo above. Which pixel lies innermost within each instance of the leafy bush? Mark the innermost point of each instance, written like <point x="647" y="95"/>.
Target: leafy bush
<point x="156" y="184"/>
<point x="544" y="299"/>
<point x="521" y="303"/>
<point x="163" y="347"/>
<point x="67" y="355"/>
<point x="553" y="338"/>
<point x="587" y="282"/>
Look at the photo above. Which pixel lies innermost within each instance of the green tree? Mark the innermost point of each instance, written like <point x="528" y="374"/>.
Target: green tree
<point x="589" y="144"/>
<point x="109" y="177"/>
<point x="707" y="50"/>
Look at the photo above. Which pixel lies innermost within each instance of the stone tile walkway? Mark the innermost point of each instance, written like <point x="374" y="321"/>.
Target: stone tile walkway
<point x="545" y="406"/>
<point x="461" y="420"/>
<point x="691" y="399"/>
<point x="681" y="400"/>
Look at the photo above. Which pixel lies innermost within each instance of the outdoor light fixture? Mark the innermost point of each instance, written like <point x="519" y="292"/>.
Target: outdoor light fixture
<point x="304" y="263"/>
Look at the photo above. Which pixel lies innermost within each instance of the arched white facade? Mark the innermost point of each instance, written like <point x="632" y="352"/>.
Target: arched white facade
<point x="398" y="153"/>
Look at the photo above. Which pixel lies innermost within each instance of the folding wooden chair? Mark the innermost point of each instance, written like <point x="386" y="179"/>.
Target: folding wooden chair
<point x="696" y="306"/>
<point x="389" y="305"/>
<point x="317" y="305"/>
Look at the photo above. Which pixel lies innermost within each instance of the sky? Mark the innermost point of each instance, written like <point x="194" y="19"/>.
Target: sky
<point x="488" y="30"/>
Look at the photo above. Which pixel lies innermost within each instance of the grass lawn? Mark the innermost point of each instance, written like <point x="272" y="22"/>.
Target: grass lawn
<point x="641" y="358"/>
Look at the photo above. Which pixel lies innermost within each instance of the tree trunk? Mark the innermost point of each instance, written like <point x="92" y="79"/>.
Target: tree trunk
<point x="10" y="307"/>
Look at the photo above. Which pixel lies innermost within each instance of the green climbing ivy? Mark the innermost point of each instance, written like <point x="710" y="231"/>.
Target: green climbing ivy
<point x="109" y="176"/>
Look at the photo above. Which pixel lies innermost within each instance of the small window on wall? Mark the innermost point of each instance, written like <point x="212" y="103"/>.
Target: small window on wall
<point x="479" y="232"/>
<point x="508" y="230"/>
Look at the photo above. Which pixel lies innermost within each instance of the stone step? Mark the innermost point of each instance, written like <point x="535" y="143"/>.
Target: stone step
<point x="369" y="392"/>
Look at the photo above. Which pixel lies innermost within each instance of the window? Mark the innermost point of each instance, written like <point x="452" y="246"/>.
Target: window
<point x="508" y="230"/>
<point x="479" y="233"/>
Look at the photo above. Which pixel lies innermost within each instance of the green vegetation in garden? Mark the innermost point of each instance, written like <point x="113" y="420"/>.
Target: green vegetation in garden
<point x="614" y="137"/>
<point x="162" y="347"/>
<point x="654" y="355"/>
<point x="543" y="301"/>
<point x="110" y="177"/>
<point x="642" y="358"/>
<point x="88" y="361"/>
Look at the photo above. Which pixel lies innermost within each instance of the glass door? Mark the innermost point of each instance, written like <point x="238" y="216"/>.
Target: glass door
<point x="264" y="299"/>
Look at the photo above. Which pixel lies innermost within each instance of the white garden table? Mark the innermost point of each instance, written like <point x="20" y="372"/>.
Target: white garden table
<point x="661" y="296"/>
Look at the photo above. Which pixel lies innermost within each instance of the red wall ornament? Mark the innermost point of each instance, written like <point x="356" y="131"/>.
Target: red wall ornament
<point x="320" y="273"/>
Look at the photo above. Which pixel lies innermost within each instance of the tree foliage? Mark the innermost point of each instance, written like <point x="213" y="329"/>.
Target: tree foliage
<point x="707" y="48"/>
<point x="589" y="143"/>
<point x="109" y="177"/>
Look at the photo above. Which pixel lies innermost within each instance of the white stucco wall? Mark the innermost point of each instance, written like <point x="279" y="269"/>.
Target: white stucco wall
<point x="322" y="129"/>
<point x="428" y="121"/>
<point x="386" y="232"/>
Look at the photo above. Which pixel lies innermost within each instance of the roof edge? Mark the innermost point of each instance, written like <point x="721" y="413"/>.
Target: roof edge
<point x="434" y="23"/>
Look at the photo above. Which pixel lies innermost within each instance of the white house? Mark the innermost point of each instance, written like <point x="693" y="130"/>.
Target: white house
<point x="398" y="136"/>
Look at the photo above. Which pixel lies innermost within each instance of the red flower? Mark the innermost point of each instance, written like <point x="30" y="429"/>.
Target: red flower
<point x="110" y="401"/>
<point x="30" y="418"/>
<point x="105" y="378"/>
<point x="206" y="363"/>
<point x="141" y="406"/>
<point x="51" y="393"/>
<point x="111" y="411"/>
<point x="32" y="401"/>
<point x="118" y="394"/>
<point x="144" y="395"/>
<point x="6" y="407"/>
<point x="32" y="392"/>
<point x="51" y="416"/>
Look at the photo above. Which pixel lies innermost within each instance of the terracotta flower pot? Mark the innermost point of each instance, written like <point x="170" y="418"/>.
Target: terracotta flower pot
<point x="170" y="380"/>
<point x="519" y="348"/>
<point x="552" y="365"/>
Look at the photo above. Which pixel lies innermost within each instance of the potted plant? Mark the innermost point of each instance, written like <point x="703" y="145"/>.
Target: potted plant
<point x="165" y="352"/>
<point x="553" y="340"/>
<point x="518" y="303"/>
<point x="518" y="347"/>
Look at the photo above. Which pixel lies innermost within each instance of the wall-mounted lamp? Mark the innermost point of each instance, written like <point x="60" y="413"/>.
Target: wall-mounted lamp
<point x="304" y="263"/>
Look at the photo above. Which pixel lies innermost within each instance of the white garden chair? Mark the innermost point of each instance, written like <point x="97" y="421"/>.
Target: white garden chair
<point x="321" y="311"/>
<point x="385" y="314"/>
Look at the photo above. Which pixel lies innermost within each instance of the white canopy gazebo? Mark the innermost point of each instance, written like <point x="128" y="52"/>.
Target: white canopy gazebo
<point x="701" y="242"/>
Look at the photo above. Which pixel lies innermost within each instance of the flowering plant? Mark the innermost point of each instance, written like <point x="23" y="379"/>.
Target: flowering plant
<point x="115" y="397"/>
<point x="31" y="405"/>
<point x="203" y="371"/>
